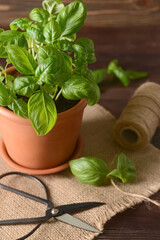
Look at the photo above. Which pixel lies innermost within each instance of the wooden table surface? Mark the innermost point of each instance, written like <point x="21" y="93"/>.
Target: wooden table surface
<point x="128" y="30"/>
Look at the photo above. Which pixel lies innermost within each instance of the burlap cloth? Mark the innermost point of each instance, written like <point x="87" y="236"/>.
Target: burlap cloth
<point x="65" y="188"/>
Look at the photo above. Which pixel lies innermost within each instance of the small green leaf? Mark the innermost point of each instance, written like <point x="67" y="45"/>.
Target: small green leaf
<point x="42" y="112"/>
<point x="1" y="30"/>
<point x="90" y="170"/>
<point x="35" y="31"/>
<point x="71" y="18"/>
<point x="89" y="48"/>
<point x="22" y="59"/>
<point x="78" y="87"/>
<point x="64" y="45"/>
<point x="70" y="38"/>
<point x="125" y="171"/>
<point x="50" y="88"/>
<point x="5" y="99"/>
<point x="85" y="72"/>
<point x="39" y="15"/>
<point x="48" y="66"/>
<point x="10" y="37"/>
<point x="3" y="53"/>
<point x="47" y="52"/>
<point x="100" y="74"/>
<point x="122" y="76"/>
<point x="118" y="72"/>
<point x="53" y="6"/>
<point x="48" y="79"/>
<point x="19" y="107"/>
<point x="52" y="31"/>
<point x="22" y="23"/>
<point x="9" y="81"/>
<point x="135" y="75"/>
<point x="1" y="78"/>
<point x="112" y="66"/>
<point x="80" y="56"/>
<point x="25" y="86"/>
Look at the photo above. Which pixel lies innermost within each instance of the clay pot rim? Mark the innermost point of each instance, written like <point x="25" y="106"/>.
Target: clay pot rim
<point x="60" y="116"/>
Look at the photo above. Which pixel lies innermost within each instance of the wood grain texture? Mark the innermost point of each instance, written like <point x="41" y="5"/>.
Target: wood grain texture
<point x="136" y="48"/>
<point x="100" y="12"/>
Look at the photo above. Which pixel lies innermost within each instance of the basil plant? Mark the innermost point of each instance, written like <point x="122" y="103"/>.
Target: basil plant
<point x="50" y="61"/>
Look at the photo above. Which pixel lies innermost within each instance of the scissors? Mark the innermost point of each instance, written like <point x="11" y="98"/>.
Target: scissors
<point x="61" y="213"/>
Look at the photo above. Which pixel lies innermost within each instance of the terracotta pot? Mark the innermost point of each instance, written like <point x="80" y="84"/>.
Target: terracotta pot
<point x="30" y="151"/>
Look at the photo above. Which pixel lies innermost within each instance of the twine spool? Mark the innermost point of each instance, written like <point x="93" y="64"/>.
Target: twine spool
<point x="140" y="118"/>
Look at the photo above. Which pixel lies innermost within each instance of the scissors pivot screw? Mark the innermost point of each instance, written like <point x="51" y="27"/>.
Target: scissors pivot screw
<point x="54" y="211"/>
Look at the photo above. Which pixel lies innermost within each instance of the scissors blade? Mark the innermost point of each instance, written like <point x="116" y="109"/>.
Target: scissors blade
<point x="77" y="207"/>
<point x="67" y="218"/>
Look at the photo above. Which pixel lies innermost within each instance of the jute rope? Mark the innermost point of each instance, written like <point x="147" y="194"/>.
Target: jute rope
<point x="140" y="118"/>
<point x="134" y="195"/>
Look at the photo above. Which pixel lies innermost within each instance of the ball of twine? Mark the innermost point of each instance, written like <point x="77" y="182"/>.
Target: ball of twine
<point x="140" y="118"/>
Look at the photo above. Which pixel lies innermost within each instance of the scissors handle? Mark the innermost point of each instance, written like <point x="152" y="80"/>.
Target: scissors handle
<point x="24" y="221"/>
<point x="27" y="195"/>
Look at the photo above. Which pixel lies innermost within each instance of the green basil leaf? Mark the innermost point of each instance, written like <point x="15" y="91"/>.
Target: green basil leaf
<point x="48" y="66"/>
<point x="22" y="59"/>
<point x="89" y="48"/>
<point x="100" y="74"/>
<point x="53" y="6"/>
<point x="47" y="52"/>
<point x="118" y="72"/>
<point x="90" y="170"/>
<point x="71" y="18"/>
<point x="35" y="31"/>
<point x="48" y="79"/>
<point x="67" y="63"/>
<point x="70" y="38"/>
<point x="135" y="75"/>
<point x="62" y="64"/>
<point x="64" y="45"/>
<point x="1" y="78"/>
<point x="42" y="112"/>
<point x="10" y="37"/>
<point x="112" y="66"/>
<point x="3" y="53"/>
<point x="78" y="87"/>
<point x="25" y="86"/>
<point x="22" y="23"/>
<point x="65" y="71"/>
<point x="125" y="171"/>
<point x="50" y="88"/>
<point x="5" y="99"/>
<point x="9" y="81"/>
<point x="52" y="31"/>
<point x="85" y="72"/>
<point x="121" y="75"/>
<point x="80" y="56"/>
<point x="19" y="107"/>
<point x="39" y="15"/>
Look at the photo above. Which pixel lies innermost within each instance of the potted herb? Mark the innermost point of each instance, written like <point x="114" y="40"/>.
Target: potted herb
<point x="42" y="97"/>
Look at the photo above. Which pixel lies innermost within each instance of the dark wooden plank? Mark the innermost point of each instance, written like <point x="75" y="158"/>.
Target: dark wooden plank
<point x="100" y="12"/>
<point x="136" y="48"/>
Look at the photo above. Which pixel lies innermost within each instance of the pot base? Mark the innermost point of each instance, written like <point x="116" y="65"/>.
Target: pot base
<point x="20" y="168"/>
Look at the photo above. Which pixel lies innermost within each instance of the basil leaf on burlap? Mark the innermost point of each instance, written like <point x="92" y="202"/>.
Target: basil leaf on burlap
<point x="90" y="170"/>
<point x="125" y="171"/>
